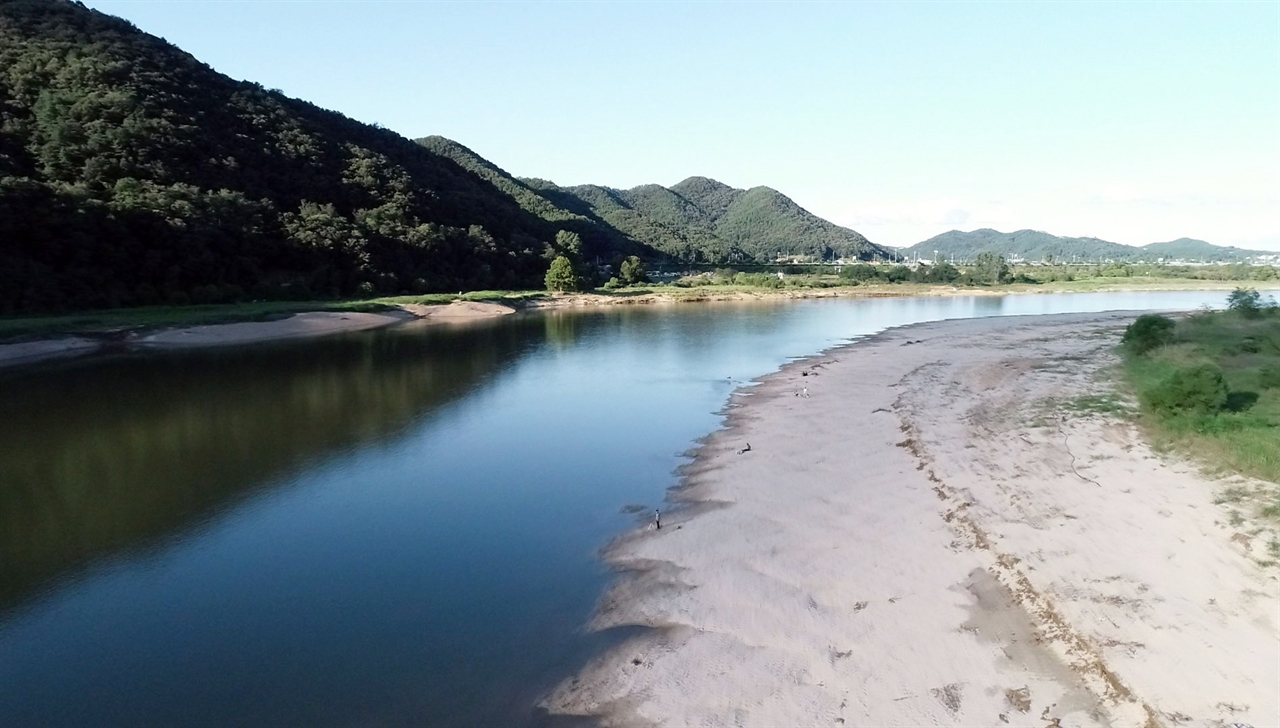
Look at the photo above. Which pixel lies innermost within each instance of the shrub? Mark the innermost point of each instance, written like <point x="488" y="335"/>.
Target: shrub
<point x="1149" y="331"/>
<point x="1245" y="301"/>
<point x="1200" y="389"/>
<point x="859" y="272"/>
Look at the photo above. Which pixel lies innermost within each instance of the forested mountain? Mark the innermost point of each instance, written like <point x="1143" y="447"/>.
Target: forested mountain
<point x="701" y="220"/>
<point x="698" y="220"/>
<point x="131" y="173"/>
<point x="1037" y="245"/>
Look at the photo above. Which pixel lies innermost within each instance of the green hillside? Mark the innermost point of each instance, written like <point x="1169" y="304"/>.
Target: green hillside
<point x="696" y="221"/>
<point x="1036" y="245"/>
<point x="701" y="220"/>
<point x="131" y="173"/>
<point x="599" y="237"/>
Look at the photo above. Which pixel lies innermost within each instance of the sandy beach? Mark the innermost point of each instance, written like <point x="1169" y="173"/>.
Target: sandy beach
<point x="926" y="531"/>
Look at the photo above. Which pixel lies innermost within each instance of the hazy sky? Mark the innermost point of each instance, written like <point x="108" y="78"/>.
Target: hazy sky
<point x="1133" y="122"/>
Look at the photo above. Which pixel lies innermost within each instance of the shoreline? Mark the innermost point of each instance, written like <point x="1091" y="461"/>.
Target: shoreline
<point x="308" y="323"/>
<point x="933" y="536"/>
<point x="305" y="324"/>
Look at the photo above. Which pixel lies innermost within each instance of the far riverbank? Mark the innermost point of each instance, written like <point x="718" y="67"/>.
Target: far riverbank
<point x="26" y="340"/>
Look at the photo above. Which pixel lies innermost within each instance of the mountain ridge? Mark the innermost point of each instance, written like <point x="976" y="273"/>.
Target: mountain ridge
<point x="1040" y="245"/>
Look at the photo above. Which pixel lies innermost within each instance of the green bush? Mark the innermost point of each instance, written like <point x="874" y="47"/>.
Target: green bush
<point x="1199" y="389"/>
<point x="859" y="272"/>
<point x="1245" y="301"/>
<point x="1149" y="331"/>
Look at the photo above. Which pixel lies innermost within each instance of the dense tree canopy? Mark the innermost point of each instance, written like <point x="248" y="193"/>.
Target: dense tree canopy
<point x="131" y="173"/>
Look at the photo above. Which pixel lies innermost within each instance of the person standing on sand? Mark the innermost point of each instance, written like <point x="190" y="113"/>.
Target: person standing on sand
<point x="657" y="518"/>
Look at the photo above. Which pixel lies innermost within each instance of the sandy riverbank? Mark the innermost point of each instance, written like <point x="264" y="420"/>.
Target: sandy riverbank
<point x="318" y="323"/>
<point x="299" y="325"/>
<point x="935" y="537"/>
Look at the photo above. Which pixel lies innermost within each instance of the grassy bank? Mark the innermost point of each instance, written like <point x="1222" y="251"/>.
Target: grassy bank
<point x="1209" y="386"/>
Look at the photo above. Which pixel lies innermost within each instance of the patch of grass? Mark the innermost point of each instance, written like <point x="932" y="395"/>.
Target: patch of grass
<point x="1233" y="494"/>
<point x="1237" y="432"/>
<point x="1098" y="404"/>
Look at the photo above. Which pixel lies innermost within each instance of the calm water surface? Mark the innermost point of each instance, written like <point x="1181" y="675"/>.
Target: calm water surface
<point x="390" y="528"/>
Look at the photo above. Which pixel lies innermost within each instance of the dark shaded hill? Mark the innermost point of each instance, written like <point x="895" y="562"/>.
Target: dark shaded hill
<point x="1037" y="245"/>
<point x="131" y="173"/>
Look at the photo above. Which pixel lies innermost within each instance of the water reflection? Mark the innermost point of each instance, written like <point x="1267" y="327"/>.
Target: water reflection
<point x="109" y="454"/>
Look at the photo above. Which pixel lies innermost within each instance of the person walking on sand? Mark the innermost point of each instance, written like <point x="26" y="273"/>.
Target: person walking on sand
<point x="657" y="518"/>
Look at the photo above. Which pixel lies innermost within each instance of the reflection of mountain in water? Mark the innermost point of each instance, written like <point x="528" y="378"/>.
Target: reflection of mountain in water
<point x="103" y="455"/>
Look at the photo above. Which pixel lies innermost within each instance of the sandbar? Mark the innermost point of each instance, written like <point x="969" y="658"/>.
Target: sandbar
<point x="925" y="531"/>
<point x="314" y="323"/>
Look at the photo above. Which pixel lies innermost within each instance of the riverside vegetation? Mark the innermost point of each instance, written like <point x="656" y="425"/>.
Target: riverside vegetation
<point x="1209" y="385"/>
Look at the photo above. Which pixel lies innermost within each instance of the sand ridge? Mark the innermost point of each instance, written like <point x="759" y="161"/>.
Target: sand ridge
<point x="932" y="537"/>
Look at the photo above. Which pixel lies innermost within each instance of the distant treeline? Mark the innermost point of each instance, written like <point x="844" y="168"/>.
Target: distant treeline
<point x="987" y="270"/>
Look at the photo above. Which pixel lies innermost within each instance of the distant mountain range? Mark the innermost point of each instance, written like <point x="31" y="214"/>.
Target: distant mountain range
<point x="1035" y="245"/>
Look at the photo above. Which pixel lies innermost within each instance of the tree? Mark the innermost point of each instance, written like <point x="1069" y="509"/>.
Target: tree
<point x="569" y="244"/>
<point x="632" y="271"/>
<point x="989" y="268"/>
<point x="560" y="276"/>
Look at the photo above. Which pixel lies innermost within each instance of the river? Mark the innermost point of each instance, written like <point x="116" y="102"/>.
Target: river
<point x="389" y="528"/>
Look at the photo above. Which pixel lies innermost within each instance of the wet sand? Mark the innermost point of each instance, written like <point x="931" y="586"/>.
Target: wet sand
<point x="935" y="535"/>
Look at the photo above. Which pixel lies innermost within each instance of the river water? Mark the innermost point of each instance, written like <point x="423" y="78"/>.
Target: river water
<point x="390" y="528"/>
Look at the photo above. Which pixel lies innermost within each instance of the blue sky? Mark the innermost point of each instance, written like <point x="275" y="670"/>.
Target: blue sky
<point x="1134" y="122"/>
